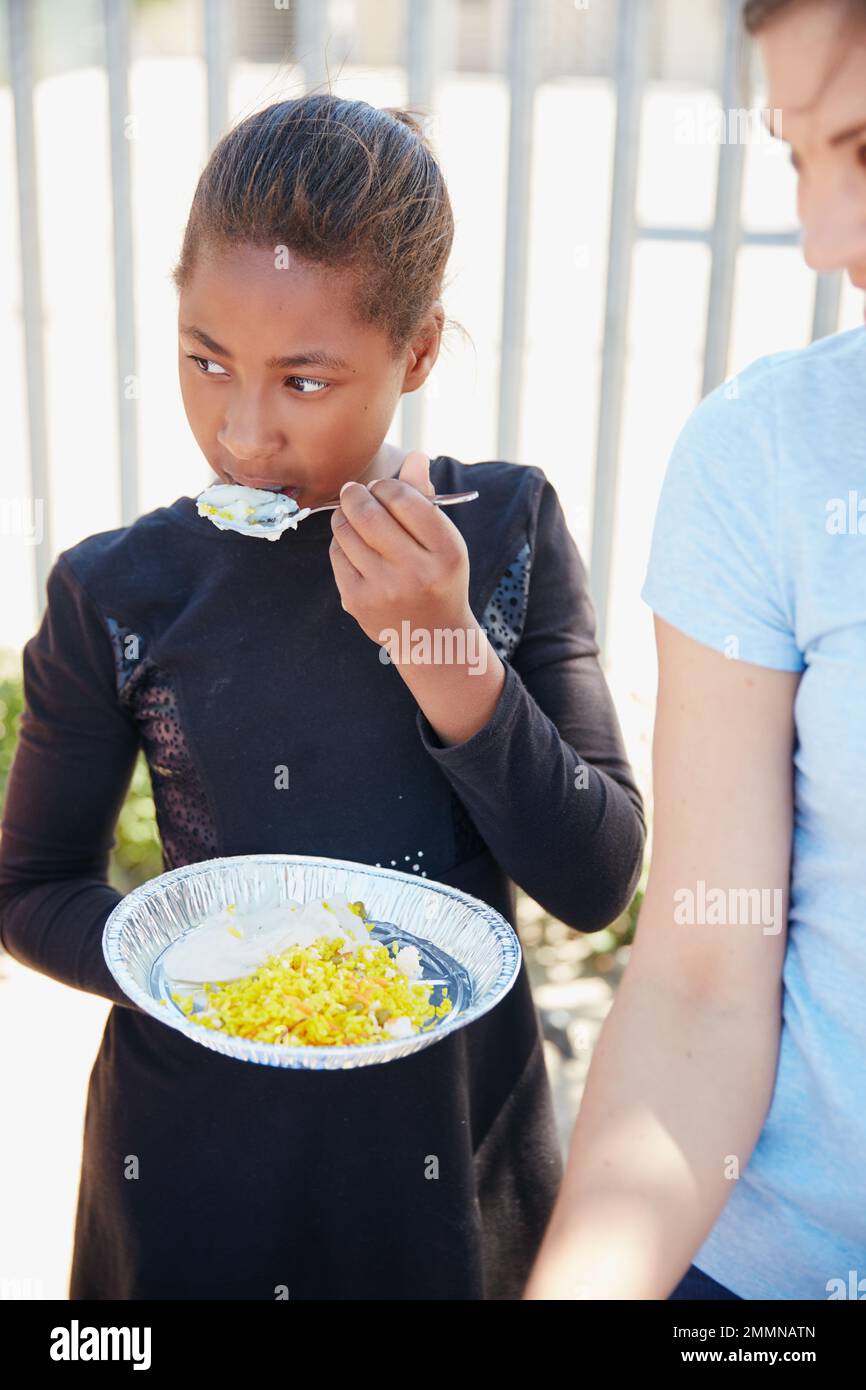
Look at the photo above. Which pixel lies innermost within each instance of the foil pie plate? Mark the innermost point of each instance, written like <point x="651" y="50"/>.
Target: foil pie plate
<point x="463" y="944"/>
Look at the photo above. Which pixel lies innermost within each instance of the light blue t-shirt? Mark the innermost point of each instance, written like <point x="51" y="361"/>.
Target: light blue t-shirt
<point x="759" y="551"/>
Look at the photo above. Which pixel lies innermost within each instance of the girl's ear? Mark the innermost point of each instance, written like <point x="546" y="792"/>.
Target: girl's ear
<point x="425" y="348"/>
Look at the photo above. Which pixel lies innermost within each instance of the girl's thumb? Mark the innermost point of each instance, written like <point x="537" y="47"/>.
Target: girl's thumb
<point x="416" y="472"/>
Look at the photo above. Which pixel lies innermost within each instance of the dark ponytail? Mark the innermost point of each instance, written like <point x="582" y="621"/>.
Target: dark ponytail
<point x="340" y="183"/>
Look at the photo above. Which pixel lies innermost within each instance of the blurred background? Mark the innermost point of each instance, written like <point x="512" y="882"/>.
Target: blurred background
<point x="626" y="239"/>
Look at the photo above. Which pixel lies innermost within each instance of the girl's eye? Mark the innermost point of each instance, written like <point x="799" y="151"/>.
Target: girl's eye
<point x="207" y="363"/>
<point x="309" y="381"/>
<point x="861" y="155"/>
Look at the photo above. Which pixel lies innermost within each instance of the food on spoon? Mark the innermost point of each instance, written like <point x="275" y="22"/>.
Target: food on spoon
<point x="252" y="511"/>
<point x="304" y="975"/>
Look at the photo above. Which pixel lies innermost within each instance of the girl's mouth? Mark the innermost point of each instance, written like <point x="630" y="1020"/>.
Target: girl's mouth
<point x="289" y="490"/>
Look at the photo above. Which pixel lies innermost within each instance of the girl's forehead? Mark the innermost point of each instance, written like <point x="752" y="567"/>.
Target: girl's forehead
<point x="266" y="269"/>
<point x="260" y="285"/>
<point x="249" y="307"/>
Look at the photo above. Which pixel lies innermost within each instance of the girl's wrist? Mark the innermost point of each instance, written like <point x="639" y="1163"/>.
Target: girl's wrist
<point x="457" y="685"/>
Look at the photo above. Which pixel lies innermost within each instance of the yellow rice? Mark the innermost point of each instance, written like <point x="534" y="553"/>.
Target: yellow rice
<point x="315" y="996"/>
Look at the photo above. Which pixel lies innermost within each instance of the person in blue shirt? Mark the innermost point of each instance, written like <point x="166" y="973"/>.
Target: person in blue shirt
<point x="718" y="1151"/>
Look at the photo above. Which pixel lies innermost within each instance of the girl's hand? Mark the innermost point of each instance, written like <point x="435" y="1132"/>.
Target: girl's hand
<point x="397" y="557"/>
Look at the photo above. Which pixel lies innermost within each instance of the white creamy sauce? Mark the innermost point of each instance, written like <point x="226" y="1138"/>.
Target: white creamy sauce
<point x="228" y="945"/>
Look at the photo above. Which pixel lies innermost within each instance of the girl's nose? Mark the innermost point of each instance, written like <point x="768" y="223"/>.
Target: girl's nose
<point x="252" y="442"/>
<point x="834" y="228"/>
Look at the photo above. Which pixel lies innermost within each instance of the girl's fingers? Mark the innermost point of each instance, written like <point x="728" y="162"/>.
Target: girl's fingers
<point x="382" y="531"/>
<point x="413" y="512"/>
<point x="365" y="560"/>
<point x="345" y="574"/>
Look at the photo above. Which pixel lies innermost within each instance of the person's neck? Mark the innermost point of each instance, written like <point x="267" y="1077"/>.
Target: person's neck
<point x="385" y="464"/>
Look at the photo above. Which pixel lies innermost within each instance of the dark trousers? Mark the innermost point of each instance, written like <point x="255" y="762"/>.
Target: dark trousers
<point x="696" y="1284"/>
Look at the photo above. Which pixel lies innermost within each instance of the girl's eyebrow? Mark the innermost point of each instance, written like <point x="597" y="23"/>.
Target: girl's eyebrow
<point x="314" y="357"/>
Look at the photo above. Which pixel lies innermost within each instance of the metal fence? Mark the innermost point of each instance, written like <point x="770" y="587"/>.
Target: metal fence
<point x="428" y="29"/>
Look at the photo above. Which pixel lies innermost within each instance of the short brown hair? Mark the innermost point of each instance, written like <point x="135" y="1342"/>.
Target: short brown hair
<point x="340" y="183"/>
<point x="756" y="13"/>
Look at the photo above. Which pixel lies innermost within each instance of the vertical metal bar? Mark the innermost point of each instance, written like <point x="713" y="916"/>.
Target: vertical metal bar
<point x="219" y="42"/>
<point x="311" y="18"/>
<point x="429" y="27"/>
<point x="421" y="56"/>
<point x="522" y="70"/>
<point x="634" y="27"/>
<point x="828" y="297"/>
<point x="725" y="236"/>
<point x="21" y="74"/>
<point x="116" y="19"/>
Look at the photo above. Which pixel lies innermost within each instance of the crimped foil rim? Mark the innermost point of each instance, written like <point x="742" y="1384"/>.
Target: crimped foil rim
<point x="478" y="923"/>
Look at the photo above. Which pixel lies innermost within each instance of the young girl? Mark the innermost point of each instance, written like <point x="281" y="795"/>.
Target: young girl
<point x="718" y="1151"/>
<point x="309" y="286"/>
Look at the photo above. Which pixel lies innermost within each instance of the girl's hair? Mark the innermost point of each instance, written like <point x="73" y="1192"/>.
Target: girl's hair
<point x="339" y="183"/>
<point x="757" y="13"/>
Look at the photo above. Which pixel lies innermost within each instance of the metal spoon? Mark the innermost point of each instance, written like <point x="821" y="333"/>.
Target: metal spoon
<point x="443" y="499"/>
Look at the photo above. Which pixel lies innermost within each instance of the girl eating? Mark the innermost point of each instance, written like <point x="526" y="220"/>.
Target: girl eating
<point x="273" y="718"/>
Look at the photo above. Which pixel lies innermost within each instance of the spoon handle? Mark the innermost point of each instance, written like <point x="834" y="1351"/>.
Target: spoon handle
<point x="443" y="499"/>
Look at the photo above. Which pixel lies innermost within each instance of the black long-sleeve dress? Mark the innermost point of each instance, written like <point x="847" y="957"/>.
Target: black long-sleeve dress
<point x="224" y="656"/>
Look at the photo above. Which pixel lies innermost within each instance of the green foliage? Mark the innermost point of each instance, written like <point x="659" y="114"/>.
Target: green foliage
<point x="10" y="713"/>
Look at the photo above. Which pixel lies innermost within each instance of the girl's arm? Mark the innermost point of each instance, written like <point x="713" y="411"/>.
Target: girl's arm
<point x="683" y="1071"/>
<point x="546" y="779"/>
<point x="69" y="777"/>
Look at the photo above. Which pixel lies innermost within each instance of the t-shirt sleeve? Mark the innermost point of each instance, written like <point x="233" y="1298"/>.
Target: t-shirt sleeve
<point x="718" y="567"/>
<point x="71" y="770"/>
<point x="547" y="781"/>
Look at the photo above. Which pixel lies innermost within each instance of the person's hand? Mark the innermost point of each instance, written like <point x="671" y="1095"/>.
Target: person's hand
<point x="397" y="557"/>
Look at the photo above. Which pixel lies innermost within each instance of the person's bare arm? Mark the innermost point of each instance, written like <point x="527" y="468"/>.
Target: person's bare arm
<point x="684" y="1068"/>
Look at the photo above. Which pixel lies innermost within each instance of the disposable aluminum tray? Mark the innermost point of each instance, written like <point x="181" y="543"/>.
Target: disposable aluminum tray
<point x="463" y="943"/>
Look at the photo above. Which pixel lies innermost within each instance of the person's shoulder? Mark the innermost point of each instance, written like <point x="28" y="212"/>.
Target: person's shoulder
<point x="784" y="384"/>
<point x="725" y="550"/>
<point x="845" y="350"/>
<point x="122" y="570"/>
<point x="132" y="550"/>
<point x="761" y="427"/>
<point x="511" y="492"/>
<point x="501" y="524"/>
<point x="496" y="476"/>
